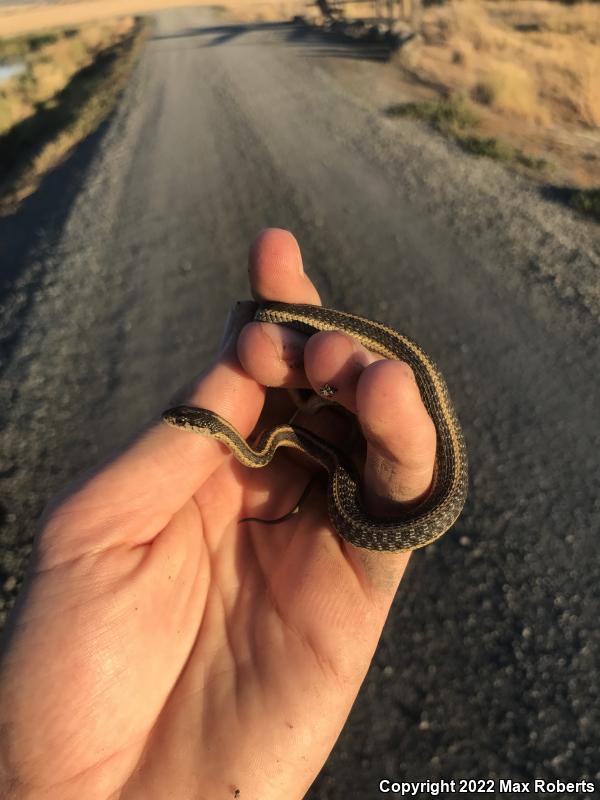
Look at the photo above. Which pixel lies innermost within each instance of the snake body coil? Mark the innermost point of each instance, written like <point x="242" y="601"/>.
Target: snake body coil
<point x="410" y="529"/>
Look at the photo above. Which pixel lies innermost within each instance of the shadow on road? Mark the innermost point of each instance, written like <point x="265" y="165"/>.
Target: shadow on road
<point x="315" y="42"/>
<point x="584" y="201"/>
<point x="21" y="253"/>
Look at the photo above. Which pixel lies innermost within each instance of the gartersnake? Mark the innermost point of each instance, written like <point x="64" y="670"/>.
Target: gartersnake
<point x="410" y="529"/>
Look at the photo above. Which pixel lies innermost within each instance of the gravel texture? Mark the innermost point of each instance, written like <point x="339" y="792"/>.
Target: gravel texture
<point x="116" y="277"/>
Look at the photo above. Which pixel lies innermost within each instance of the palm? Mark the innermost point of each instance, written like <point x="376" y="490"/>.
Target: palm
<point x="218" y="607"/>
<point x="263" y="657"/>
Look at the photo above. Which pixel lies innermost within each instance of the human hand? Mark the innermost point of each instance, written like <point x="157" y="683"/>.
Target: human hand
<point x="160" y="649"/>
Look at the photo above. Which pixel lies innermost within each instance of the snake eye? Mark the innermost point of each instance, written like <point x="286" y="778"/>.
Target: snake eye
<point x="172" y="417"/>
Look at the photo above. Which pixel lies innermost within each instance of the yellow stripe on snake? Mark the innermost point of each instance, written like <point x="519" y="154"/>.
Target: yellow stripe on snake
<point x="410" y="529"/>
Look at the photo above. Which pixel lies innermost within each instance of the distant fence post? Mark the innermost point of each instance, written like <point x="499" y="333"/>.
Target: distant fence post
<point x="387" y="11"/>
<point x="416" y="15"/>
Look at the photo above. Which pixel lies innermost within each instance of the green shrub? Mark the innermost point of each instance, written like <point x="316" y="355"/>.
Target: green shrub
<point x="587" y="201"/>
<point x="449" y="115"/>
<point x="455" y="118"/>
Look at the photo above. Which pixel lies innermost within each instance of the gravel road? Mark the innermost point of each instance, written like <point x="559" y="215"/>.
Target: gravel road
<point x="116" y="277"/>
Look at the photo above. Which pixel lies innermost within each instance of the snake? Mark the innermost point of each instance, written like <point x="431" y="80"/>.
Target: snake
<point x="410" y="528"/>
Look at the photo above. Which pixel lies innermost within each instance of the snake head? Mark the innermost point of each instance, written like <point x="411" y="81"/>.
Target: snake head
<point x="179" y="416"/>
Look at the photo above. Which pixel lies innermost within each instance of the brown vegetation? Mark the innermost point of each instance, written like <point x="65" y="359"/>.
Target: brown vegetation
<point x="263" y="10"/>
<point x="538" y="60"/>
<point x="51" y="59"/>
<point x="530" y="69"/>
<point x="71" y="82"/>
<point x="513" y="80"/>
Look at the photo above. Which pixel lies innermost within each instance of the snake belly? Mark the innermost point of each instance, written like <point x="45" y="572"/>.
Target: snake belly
<point x="408" y="530"/>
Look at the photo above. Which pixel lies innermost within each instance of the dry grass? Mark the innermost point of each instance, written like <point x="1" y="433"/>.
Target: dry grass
<point x="509" y="87"/>
<point x="537" y="60"/>
<point x="72" y="81"/>
<point x="582" y="19"/>
<point x="51" y="59"/>
<point x="531" y="69"/>
<point x="263" y="10"/>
